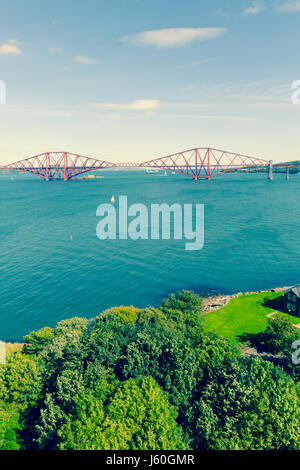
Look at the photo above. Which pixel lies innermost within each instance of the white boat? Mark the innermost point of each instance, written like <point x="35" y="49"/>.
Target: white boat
<point x="112" y="199"/>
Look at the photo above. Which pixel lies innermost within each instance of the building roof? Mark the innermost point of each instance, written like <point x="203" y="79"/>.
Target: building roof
<point x="295" y="290"/>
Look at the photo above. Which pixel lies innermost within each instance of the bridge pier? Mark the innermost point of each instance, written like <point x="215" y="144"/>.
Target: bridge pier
<point x="270" y="176"/>
<point x="287" y="173"/>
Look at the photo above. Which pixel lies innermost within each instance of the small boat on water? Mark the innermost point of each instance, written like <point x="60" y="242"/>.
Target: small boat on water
<point x="112" y="199"/>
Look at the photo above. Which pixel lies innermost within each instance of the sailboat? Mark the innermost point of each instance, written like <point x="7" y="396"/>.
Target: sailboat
<point x="112" y="199"/>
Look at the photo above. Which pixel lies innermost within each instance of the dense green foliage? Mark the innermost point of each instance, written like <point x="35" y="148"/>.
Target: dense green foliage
<point x="278" y="336"/>
<point x="136" y="416"/>
<point x="143" y="379"/>
<point x="282" y="338"/>
<point x="37" y="340"/>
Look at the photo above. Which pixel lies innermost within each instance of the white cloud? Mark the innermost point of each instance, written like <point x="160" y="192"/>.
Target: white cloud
<point x="56" y="50"/>
<point x="254" y="9"/>
<point x="137" y="105"/>
<point x="10" y="48"/>
<point x="84" y="60"/>
<point x="164" y="38"/>
<point x="289" y="6"/>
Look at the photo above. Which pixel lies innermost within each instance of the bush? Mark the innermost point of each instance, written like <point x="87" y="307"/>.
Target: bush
<point x="278" y="336"/>
<point x="36" y="341"/>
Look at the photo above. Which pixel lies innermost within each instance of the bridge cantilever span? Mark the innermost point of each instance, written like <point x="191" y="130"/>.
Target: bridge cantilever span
<point x="205" y="162"/>
<point x="58" y="165"/>
<point x="196" y="163"/>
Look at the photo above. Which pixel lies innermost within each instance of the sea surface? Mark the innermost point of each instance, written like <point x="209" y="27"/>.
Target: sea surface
<point x="252" y="242"/>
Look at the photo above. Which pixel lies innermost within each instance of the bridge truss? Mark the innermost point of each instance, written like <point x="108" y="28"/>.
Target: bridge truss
<point x="196" y="163"/>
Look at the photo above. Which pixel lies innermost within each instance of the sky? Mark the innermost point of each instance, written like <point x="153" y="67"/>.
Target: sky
<point x="133" y="80"/>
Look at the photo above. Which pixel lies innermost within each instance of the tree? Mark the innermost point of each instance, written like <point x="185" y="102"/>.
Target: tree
<point x="185" y="308"/>
<point x="184" y="304"/>
<point x="36" y="341"/>
<point x="141" y="418"/>
<point x="82" y="428"/>
<point x="22" y="376"/>
<point x="9" y="427"/>
<point x="249" y="404"/>
<point x="20" y="388"/>
<point x="65" y="352"/>
<point x="278" y="336"/>
<point x="138" y="417"/>
<point x="107" y="339"/>
<point x="63" y="359"/>
<point x="127" y="314"/>
<point x="162" y="349"/>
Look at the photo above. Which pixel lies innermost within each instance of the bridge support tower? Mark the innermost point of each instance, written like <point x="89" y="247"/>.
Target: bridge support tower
<point x="270" y="176"/>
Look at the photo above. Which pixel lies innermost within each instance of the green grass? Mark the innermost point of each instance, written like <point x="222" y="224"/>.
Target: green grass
<point x="241" y="316"/>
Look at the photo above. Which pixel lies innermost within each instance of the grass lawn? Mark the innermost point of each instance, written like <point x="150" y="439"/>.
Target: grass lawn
<point x="241" y="316"/>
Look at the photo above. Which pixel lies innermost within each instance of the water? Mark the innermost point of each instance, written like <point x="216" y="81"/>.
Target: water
<point x="252" y="229"/>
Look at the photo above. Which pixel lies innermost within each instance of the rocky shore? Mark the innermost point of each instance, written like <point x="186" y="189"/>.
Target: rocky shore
<point x="214" y="302"/>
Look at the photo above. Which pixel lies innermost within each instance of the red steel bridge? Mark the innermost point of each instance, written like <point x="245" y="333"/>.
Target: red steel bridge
<point x="196" y="163"/>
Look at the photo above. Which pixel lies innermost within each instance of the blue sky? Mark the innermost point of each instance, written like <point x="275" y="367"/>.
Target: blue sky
<point x="131" y="80"/>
